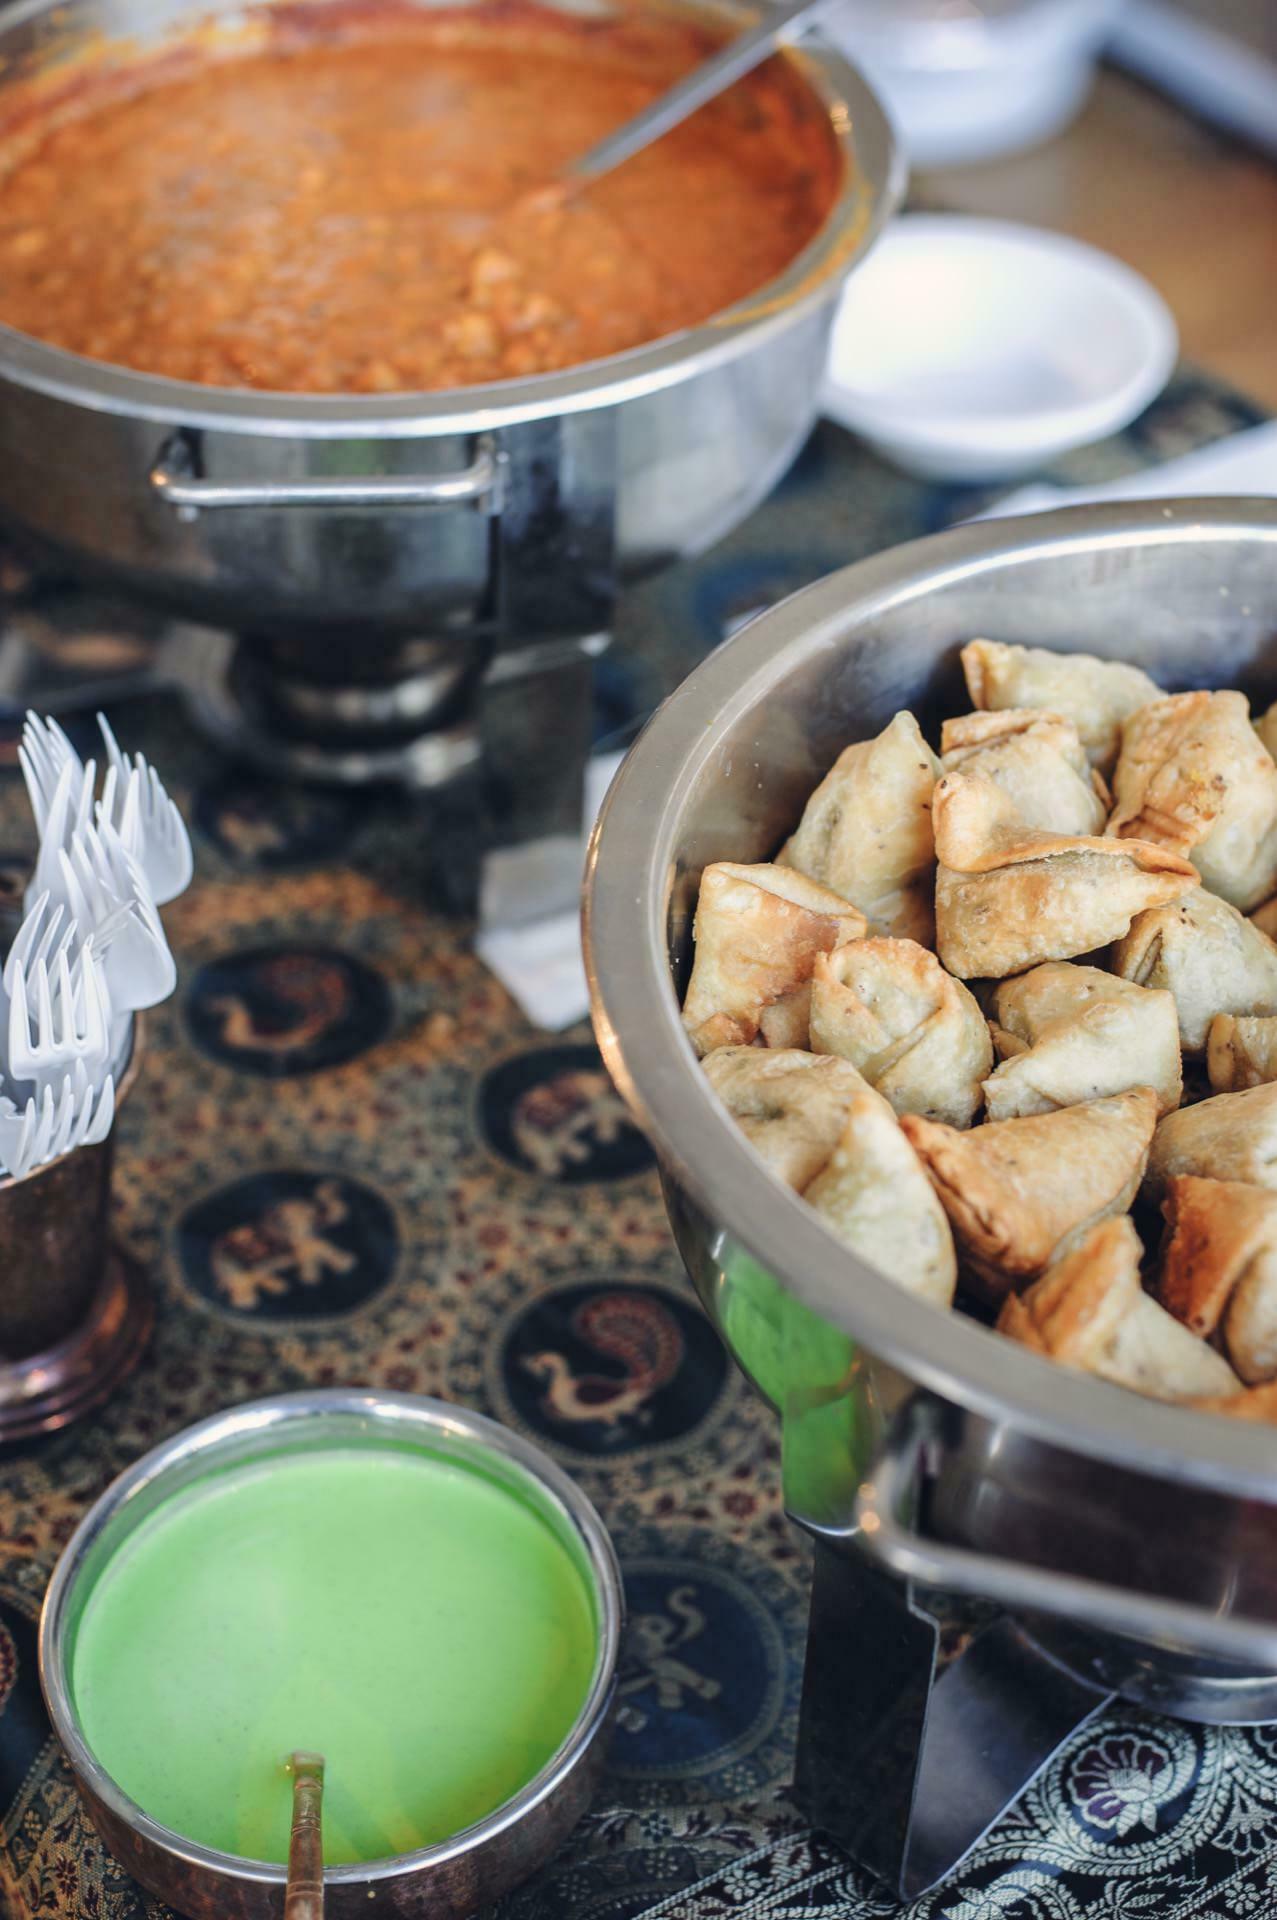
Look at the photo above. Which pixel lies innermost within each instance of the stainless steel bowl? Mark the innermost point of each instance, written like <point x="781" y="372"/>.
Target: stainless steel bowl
<point x="262" y="511"/>
<point x="948" y="1454"/>
<point x="446" y="1881"/>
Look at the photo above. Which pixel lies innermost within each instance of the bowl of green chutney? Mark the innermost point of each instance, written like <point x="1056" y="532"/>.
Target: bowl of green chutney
<point x="403" y="1586"/>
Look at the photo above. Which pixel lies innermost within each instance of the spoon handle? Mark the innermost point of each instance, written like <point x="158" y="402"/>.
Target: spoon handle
<point x="740" y="56"/>
<point x="304" y="1896"/>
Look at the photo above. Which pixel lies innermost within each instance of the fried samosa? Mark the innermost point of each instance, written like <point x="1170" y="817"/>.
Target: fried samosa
<point x="1219" y="1269"/>
<point x="1205" y="953"/>
<point x="1241" y="1051"/>
<point x="1015" y="1189"/>
<point x="1038" y="761"/>
<point x="1255" y="1403"/>
<point x="1067" y="1034"/>
<point x="1096" y="695"/>
<point x="1008" y="896"/>
<point x="758" y="930"/>
<point x="791" y="1105"/>
<point x="827" y="1134"/>
<point x="914" y="1031"/>
<point x="1266" y="728"/>
<point x="1232" y="1136"/>
<point x="875" y="1196"/>
<point x="866" y="831"/>
<point x="1090" y="1311"/>
<point x="1192" y="776"/>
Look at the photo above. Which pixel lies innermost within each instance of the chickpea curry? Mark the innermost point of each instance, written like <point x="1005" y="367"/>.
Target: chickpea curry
<point x="347" y="203"/>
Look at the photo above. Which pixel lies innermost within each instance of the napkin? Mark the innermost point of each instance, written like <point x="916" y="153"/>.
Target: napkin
<point x="1241" y="463"/>
<point x="539" y="962"/>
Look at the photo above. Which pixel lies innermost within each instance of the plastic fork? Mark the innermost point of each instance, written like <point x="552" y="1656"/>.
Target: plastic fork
<point x="17" y="1136"/>
<point x="84" y="1112"/>
<point x="134" y="801"/>
<point x="49" y="931"/>
<point x="33" y="1133"/>
<point x="44" y="752"/>
<point x="68" y="811"/>
<point x="70" y="1012"/>
<point x="155" y="832"/>
<point x="104" y="889"/>
<point x="78" y="1114"/>
<point x="46" y="922"/>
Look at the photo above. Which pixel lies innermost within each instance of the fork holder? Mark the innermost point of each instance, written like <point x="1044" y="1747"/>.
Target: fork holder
<point x="75" y="1313"/>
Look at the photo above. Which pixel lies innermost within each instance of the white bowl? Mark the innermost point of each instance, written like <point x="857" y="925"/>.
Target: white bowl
<point x="978" y="350"/>
<point x="971" y="82"/>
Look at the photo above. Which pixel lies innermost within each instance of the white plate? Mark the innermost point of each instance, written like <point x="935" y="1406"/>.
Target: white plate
<point x="978" y="350"/>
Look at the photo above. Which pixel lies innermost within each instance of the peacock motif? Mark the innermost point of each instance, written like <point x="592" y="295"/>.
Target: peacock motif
<point x="312" y="990"/>
<point x="636" y="1333"/>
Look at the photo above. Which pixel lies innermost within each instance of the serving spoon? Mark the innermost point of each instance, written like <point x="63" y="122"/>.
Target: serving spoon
<point x="712" y="77"/>
<point x="304" y="1894"/>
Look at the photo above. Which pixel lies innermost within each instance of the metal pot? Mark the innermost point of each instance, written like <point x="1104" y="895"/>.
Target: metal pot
<point x="447" y="1881"/>
<point x="423" y="512"/>
<point x="946" y="1454"/>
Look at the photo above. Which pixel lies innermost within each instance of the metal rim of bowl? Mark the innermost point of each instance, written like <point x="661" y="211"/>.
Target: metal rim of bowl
<point x="637" y="1022"/>
<point x="874" y="176"/>
<point x="406" y="1413"/>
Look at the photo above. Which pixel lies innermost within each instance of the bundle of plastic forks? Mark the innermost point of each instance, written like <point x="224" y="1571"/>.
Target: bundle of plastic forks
<point x="91" y="951"/>
<point x="133" y="802"/>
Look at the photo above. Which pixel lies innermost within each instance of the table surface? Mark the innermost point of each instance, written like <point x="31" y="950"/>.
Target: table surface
<point x="349" y="1159"/>
<point x="1186" y="205"/>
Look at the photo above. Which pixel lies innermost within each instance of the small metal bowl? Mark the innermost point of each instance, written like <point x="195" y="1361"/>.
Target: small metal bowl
<point x="449" y="1880"/>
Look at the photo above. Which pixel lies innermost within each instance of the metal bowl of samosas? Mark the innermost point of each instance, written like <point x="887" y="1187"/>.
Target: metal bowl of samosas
<point x="1141" y="1535"/>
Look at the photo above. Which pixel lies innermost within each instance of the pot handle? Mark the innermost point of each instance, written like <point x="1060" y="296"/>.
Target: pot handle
<point x="174" y="480"/>
<point x="888" y="1502"/>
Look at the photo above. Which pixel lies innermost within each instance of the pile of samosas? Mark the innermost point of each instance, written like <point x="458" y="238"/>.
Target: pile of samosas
<point x="981" y="1004"/>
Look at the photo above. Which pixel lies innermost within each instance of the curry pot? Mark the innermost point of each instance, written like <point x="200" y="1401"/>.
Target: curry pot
<point x="1142" y="1535"/>
<point x="424" y="513"/>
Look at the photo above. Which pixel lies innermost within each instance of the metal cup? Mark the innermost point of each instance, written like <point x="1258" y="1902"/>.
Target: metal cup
<point x="74" y="1313"/>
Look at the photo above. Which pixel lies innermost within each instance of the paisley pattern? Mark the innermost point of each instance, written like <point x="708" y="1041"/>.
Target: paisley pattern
<point x="348" y="1160"/>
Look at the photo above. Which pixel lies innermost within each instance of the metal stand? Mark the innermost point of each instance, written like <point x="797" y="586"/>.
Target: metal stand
<point x="487" y="709"/>
<point x="904" y="1768"/>
<point x="535" y="715"/>
<point x="505" y="774"/>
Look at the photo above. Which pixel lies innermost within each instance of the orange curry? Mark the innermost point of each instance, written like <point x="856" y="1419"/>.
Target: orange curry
<point x="335" y="205"/>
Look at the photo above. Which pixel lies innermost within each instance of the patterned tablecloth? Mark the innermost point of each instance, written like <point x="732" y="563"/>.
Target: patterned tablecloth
<point x="349" y="1160"/>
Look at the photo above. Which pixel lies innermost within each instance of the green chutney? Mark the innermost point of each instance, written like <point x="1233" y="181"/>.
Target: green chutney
<point x="409" y="1618"/>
